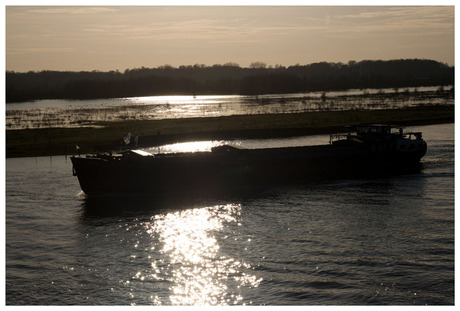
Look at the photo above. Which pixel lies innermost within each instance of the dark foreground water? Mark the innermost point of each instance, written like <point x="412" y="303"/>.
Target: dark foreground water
<point x="349" y="242"/>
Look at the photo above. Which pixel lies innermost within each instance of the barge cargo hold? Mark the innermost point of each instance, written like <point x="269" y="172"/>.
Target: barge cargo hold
<point x="373" y="150"/>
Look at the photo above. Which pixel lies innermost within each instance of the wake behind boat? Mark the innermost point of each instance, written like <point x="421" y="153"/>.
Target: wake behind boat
<point x="373" y="150"/>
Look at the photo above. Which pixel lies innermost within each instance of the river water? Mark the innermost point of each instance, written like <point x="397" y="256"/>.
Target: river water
<point x="382" y="241"/>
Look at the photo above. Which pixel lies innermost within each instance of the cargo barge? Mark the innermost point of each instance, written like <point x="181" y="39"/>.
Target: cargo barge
<point x="372" y="151"/>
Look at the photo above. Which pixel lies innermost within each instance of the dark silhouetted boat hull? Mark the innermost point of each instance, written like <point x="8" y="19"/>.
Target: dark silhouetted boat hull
<point x="228" y="167"/>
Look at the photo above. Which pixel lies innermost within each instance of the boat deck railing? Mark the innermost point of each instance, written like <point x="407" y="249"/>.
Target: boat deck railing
<point x="394" y="133"/>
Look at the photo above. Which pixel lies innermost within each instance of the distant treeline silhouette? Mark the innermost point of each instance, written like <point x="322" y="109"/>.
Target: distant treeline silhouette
<point x="227" y="79"/>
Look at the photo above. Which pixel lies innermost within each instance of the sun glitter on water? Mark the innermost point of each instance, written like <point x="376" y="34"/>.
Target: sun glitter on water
<point x="193" y="146"/>
<point x="198" y="272"/>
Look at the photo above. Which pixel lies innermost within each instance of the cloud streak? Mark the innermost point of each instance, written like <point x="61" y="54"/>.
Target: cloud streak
<point x="22" y="51"/>
<point x="397" y="20"/>
<point x="73" y="10"/>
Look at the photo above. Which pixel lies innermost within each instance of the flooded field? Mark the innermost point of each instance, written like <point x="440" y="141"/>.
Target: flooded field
<point x="67" y="114"/>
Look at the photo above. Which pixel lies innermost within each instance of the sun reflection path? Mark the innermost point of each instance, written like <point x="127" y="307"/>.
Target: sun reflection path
<point x="198" y="272"/>
<point x="193" y="146"/>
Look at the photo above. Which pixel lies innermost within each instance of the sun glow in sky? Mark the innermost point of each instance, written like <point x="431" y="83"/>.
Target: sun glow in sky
<point x="107" y="38"/>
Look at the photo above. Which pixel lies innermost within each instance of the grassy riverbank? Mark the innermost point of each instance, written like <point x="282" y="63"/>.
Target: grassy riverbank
<point x="108" y="135"/>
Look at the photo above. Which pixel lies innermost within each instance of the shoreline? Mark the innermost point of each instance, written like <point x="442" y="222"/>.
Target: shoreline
<point x="108" y="135"/>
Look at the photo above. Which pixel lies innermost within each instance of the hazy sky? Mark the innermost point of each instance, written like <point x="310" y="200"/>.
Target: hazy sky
<point x="119" y="37"/>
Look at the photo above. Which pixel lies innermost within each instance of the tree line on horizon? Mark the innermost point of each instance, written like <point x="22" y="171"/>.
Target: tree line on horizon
<point x="227" y="79"/>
